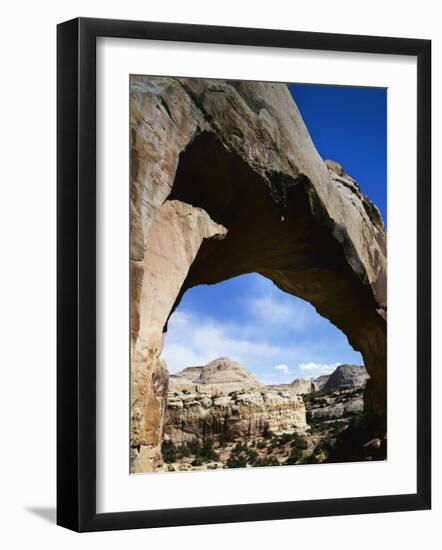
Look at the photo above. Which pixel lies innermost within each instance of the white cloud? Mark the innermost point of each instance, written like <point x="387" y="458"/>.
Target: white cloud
<point x="194" y="339"/>
<point x="179" y="318"/>
<point x="178" y="357"/>
<point x="283" y="367"/>
<point x="279" y="311"/>
<point x="318" y="368"/>
<point x="271" y="332"/>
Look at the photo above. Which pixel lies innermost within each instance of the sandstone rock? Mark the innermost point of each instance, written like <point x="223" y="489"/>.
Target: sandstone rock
<point x="225" y="400"/>
<point x="300" y="386"/>
<point x="174" y="240"/>
<point x="222" y="373"/>
<point x="240" y="154"/>
<point x="341" y="394"/>
<point x="190" y="373"/>
<point x="334" y="405"/>
<point x="335" y="167"/>
<point x="229" y="374"/>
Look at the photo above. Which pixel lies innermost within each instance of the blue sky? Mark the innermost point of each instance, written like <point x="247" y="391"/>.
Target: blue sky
<point x="247" y="318"/>
<point x="275" y="335"/>
<point x="349" y="125"/>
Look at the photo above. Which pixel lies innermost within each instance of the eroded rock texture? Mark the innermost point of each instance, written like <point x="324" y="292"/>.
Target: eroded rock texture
<point x="238" y="157"/>
<point x="346" y="377"/>
<point x="223" y="400"/>
<point x="340" y="394"/>
<point x="172" y="245"/>
<point x="334" y="404"/>
<point x="300" y="386"/>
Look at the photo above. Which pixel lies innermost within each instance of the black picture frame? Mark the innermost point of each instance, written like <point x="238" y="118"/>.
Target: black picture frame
<point x="77" y="286"/>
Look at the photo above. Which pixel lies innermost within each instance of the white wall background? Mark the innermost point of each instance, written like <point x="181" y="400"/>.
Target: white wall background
<point x="27" y="289"/>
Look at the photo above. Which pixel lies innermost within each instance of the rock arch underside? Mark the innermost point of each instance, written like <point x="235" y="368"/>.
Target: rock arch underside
<point x="225" y="180"/>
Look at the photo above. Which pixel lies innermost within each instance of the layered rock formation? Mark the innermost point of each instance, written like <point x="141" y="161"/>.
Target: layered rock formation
<point x="300" y="386"/>
<point x="262" y="200"/>
<point x="189" y="373"/>
<point x="334" y="405"/>
<point x="225" y="401"/>
<point x="340" y="394"/>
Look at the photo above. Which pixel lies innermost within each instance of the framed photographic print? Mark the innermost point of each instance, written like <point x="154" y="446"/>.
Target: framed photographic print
<point x="241" y="214"/>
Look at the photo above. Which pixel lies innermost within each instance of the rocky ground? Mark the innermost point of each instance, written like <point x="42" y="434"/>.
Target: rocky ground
<point x="221" y="416"/>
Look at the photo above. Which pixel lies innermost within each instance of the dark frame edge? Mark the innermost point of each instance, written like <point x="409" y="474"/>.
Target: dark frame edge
<point x="254" y="512"/>
<point x="67" y="275"/>
<point x="424" y="273"/>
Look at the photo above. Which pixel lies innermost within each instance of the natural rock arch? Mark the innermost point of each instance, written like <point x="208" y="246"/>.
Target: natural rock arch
<point x="226" y="181"/>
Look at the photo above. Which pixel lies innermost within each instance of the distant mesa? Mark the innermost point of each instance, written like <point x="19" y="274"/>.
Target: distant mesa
<point x="223" y="372"/>
<point x="340" y="395"/>
<point x="344" y="377"/>
<point x="229" y="375"/>
<point x="222" y="399"/>
<point x="300" y="386"/>
<point x="190" y="373"/>
<point x="321" y="381"/>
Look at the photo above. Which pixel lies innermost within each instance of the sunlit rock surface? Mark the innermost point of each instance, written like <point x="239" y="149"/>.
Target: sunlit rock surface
<point x="224" y="400"/>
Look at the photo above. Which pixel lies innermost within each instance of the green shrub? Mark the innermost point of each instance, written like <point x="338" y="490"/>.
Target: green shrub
<point x="284" y="438"/>
<point x="239" y="447"/>
<point x="168" y="450"/>
<point x="197" y="461"/>
<point x="309" y="459"/>
<point x="298" y="442"/>
<point x="207" y="452"/>
<point x="294" y="456"/>
<point x="241" y="455"/>
<point x="184" y="451"/>
<point x="266" y="461"/>
<point x="236" y="461"/>
<point x="336" y="426"/>
<point x="251" y="456"/>
<point x="202" y="453"/>
<point x="326" y="445"/>
<point x="194" y="446"/>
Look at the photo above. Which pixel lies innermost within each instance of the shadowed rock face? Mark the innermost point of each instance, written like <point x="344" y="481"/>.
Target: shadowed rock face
<point x="237" y="158"/>
<point x="321" y="381"/>
<point x="346" y="377"/>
